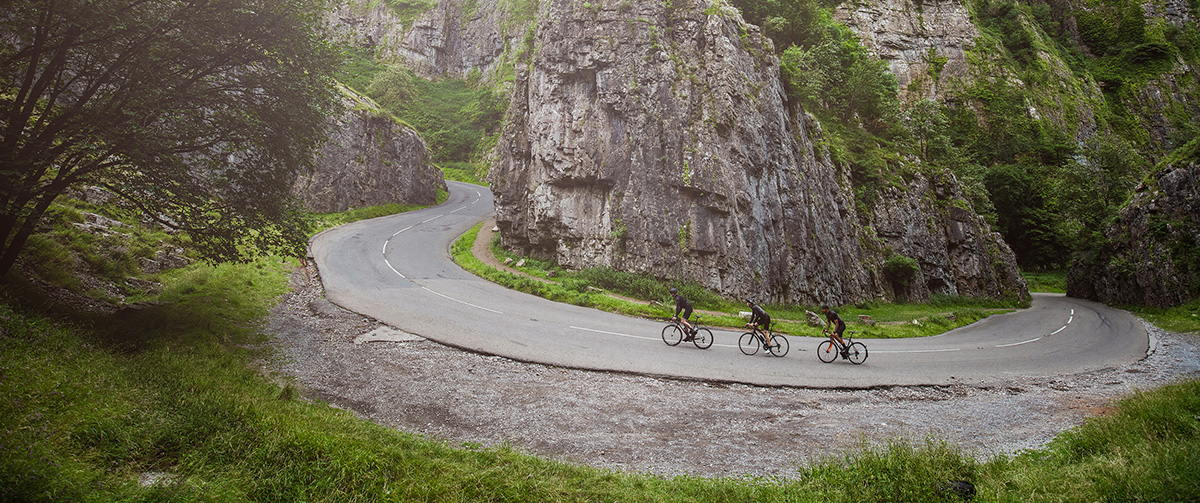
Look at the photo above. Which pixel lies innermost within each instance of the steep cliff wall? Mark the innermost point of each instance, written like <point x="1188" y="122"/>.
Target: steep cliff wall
<point x="656" y="138"/>
<point x="936" y="52"/>
<point x="446" y="41"/>
<point x="369" y="160"/>
<point x="1152" y="256"/>
<point x="924" y="44"/>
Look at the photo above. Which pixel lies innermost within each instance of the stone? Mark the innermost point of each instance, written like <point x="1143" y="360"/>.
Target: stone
<point x="1151" y="256"/>
<point x="370" y="159"/>
<point x="696" y="166"/>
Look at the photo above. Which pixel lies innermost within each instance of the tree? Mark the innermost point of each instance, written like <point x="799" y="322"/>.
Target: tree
<point x="200" y="112"/>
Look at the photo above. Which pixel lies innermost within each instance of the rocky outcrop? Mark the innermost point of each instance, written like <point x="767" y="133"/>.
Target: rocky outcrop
<point x="924" y="44"/>
<point x="446" y="41"/>
<point x="931" y="222"/>
<point x="370" y="159"/>
<point x="1152" y="254"/>
<point x="656" y="138"/>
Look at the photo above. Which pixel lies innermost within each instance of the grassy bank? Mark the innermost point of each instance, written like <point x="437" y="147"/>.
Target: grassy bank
<point x="172" y="393"/>
<point x="641" y="295"/>
<point x="170" y="401"/>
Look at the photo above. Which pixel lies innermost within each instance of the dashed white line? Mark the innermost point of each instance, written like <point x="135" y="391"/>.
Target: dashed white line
<point x="1070" y="319"/>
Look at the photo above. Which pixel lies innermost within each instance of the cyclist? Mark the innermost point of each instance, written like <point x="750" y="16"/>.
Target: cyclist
<point x="834" y="323"/>
<point x="682" y="305"/>
<point x="760" y="318"/>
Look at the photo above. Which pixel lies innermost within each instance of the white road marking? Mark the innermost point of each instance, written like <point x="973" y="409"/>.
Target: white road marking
<point x="917" y="350"/>
<point x="634" y="336"/>
<point x="1019" y="343"/>
<point x="460" y="301"/>
<point x="1070" y="319"/>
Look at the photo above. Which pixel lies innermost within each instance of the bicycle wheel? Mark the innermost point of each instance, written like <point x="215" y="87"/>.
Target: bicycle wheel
<point x="779" y="345"/>
<point x="704" y="338"/>
<point x="827" y="351"/>
<point x="672" y="334"/>
<point x="749" y="343"/>
<point x="858" y="353"/>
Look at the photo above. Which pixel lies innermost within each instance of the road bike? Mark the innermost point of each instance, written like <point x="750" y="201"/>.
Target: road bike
<point x="751" y="341"/>
<point x="673" y="334"/>
<point x="829" y="349"/>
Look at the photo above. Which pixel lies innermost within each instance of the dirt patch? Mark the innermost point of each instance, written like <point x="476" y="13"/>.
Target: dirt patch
<point x="664" y="426"/>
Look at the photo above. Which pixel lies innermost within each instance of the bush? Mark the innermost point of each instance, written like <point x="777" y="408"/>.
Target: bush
<point x="901" y="270"/>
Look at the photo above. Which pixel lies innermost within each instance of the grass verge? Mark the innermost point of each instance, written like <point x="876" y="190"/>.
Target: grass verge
<point x="1046" y="281"/>
<point x="641" y="295"/>
<point x="87" y="416"/>
<point x="170" y="403"/>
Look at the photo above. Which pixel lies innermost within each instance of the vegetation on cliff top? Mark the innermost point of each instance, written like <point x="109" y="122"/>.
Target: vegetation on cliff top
<point x="1010" y="133"/>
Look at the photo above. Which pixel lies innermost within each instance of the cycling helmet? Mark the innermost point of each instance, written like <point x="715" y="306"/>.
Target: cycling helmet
<point x="673" y="291"/>
<point x="749" y="300"/>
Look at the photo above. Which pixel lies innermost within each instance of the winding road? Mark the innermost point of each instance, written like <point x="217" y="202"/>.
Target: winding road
<point x="398" y="270"/>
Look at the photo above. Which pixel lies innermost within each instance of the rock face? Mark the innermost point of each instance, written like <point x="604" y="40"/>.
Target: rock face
<point x="369" y="160"/>
<point x="924" y="44"/>
<point x="656" y="138"/>
<point x="1152" y="256"/>
<point x="446" y="41"/>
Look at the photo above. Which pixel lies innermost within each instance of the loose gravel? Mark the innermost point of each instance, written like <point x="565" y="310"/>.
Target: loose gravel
<point x="663" y="426"/>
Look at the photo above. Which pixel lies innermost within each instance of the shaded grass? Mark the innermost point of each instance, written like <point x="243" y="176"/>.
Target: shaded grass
<point x="651" y="298"/>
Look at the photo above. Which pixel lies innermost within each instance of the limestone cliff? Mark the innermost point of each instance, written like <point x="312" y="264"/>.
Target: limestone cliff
<point x="656" y="138"/>
<point x="924" y="44"/>
<point x="935" y="50"/>
<point x="1152" y="253"/>
<point x="369" y="160"/>
<point x="448" y="40"/>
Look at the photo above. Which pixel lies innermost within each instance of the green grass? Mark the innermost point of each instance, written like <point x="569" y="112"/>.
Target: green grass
<point x="90" y="404"/>
<point x="468" y="172"/>
<point x="330" y="220"/>
<point x="589" y="288"/>
<point x="1046" y="282"/>
<point x="84" y="413"/>
<point x="1185" y="318"/>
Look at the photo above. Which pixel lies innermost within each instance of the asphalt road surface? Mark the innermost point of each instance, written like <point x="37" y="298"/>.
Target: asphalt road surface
<point x="397" y="269"/>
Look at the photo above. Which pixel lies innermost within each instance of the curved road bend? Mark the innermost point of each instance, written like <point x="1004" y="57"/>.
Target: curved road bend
<point x="398" y="270"/>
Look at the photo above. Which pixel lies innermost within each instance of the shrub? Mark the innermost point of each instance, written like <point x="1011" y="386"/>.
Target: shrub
<point x="901" y="270"/>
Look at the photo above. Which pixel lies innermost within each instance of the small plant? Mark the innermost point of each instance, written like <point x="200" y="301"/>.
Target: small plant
<point x="901" y="270"/>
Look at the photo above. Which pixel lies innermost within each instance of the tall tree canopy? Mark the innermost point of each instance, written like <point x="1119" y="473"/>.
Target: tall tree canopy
<point x="201" y="112"/>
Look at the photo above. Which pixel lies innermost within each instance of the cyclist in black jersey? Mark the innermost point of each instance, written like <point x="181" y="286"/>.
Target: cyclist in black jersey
<point x="834" y="323"/>
<point x="682" y="305"/>
<point x="760" y="318"/>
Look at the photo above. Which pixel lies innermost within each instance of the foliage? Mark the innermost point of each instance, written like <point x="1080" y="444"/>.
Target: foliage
<point x="198" y="113"/>
<point x="1025" y="216"/>
<point x="455" y="118"/>
<point x="1046" y="281"/>
<point x="409" y="10"/>
<point x="825" y="67"/>
<point x="901" y="270"/>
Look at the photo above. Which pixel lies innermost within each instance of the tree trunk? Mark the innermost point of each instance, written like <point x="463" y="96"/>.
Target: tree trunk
<point x="14" y="242"/>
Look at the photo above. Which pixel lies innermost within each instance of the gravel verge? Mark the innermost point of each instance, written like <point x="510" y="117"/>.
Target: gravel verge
<point x="663" y="426"/>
